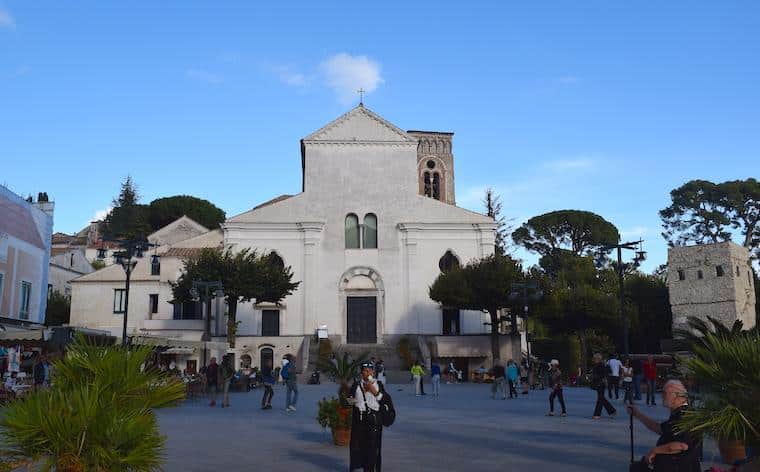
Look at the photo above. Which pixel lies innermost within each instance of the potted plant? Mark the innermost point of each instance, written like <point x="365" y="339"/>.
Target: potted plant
<point x="328" y="416"/>
<point x="727" y="371"/>
<point x="344" y="370"/>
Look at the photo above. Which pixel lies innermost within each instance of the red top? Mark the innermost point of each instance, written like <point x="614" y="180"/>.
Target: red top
<point x="650" y="370"/>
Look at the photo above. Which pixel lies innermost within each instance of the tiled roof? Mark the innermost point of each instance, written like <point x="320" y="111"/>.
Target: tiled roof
<point x="17" y="221"/>
<point x="183" y="251"/>
<point x="62" y="238"/>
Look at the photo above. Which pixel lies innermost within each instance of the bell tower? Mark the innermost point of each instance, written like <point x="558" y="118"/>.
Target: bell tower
<point x="435" y="165"/>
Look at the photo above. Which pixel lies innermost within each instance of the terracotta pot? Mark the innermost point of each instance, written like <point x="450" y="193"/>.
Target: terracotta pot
<point x="732" y="450"/>
<point x="343" y="414"/>
<point x="341" y="436"/>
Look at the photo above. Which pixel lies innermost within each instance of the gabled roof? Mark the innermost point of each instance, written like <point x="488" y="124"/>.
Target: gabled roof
<point x="178" y="230"/>
<point x="272" y="201"/>
<point x="359" y="125"/>
<point x="16" y="220"/>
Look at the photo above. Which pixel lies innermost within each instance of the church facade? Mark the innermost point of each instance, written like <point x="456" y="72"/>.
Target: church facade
<point x="373" y="227"/>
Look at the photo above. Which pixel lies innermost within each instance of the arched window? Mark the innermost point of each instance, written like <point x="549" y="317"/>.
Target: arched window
<point x="370" y="231"/>
<point x="275" y="260"/>
<point x="352" y="231"/>
<point x="448" y="262"/>
<point x="428" y="185"/>
<point x="437" y="186"/>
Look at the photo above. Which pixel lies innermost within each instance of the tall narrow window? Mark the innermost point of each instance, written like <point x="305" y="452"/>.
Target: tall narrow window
<point x="427" y="185"/>
<point x="153" y="301"/>
<point x="448" y="262"/>
<point x="155" y="266"/>
<point x="737" y="271"/>
<point x="270" y="322"/>
<point x="719" y="271"/>
<point x="436" y="185"/>
<point x="118" y="300"/>
<point x="370" y="231"/>
<point x="700" y="275"/>
<point x="681" y="274"/>
<point x="352" y="231"/>
<point x="26" y="295"/>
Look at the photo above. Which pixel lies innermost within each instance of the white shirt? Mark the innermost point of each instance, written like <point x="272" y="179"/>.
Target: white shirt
<point x="627" y="374"/>
<point x="373" y="402"/>
<point x="615" y="366"/>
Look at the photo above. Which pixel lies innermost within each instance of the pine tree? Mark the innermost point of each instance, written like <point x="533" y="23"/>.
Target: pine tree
<point x="492" y="202"/>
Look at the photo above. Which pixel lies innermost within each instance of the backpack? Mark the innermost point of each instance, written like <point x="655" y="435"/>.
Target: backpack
<point x="387" y="410"/>
<point x="284" y="372"/>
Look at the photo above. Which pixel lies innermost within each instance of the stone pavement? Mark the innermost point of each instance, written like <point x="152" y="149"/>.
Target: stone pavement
<point x="463" y="430"/>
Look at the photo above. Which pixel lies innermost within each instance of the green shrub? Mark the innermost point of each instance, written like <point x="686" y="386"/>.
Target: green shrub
<point x="328" y="417"/>
<point x="98" y="415"/>
<point x="405" y="353"/>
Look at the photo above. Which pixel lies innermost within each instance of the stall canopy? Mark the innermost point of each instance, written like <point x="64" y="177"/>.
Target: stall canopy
<point x="463" y="346"/>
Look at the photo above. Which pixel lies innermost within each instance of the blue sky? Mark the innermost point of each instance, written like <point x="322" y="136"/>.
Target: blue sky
<point x="601" y="106"/>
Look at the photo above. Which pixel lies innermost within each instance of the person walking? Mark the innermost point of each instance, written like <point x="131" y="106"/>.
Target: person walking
<point x="267" y="378"/>
<point x="41" y="373"/>
<point x="627" y="373"/>
<point x="288" y="374"/>
<point x="227" y="373"/>
<point x="598" y="374"/>
<point x="380" y="371"/>
<point x="524" y="376"/>
<point x="614" y="366"/>
<point x="637" y="376"/>
<point x="435" y="377"/>
<point x="513" y="374"/>
<point x="555" y="383"/>
<point x="675" y="451"/>
<point x="365" y="447"/>
<point x="417" y="372"/>
<point x="499" y="378"/>
<point x="212" y="381"/>
<point x="650" y="377"/>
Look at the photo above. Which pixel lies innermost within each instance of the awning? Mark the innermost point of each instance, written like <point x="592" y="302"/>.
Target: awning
<point x="184" y="351"/>
<point x="463" y="346"/>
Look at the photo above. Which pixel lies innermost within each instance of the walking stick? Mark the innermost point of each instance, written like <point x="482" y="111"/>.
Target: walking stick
<point x="630" y="423"/>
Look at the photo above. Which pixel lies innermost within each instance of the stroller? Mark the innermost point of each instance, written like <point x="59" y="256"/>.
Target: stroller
<point x="314" y="379"/>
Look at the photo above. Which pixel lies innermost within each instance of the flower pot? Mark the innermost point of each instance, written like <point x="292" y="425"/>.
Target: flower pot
<point x="732" y="450"/>
<point x="343" y="414"/>
<point x="341" y="436"/>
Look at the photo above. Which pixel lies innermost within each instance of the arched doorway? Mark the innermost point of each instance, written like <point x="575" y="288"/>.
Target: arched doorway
<point x="362" y="299"/>
<point x="267" y="359"/>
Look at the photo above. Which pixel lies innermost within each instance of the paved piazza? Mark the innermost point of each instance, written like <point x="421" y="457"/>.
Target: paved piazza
<point x="462" y="430"/>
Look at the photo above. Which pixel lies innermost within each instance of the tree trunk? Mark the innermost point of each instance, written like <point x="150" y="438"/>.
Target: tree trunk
<point x="495" y="335"/>
<point x="232" y="322"/>
<point x="584" y="350"/>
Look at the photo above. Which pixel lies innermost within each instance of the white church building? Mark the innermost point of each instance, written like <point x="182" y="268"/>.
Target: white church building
<point x="374" y="224"/>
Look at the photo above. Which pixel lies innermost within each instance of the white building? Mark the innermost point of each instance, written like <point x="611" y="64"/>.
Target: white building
<point x="371" y="229"/>
<point x="66" y="264"/>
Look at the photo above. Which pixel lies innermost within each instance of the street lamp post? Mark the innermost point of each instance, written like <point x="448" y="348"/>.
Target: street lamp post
<point x="206" y="290"/>
<point x="520" y="290"/>
<point x="131" y="250"/>
<point x="638" y="259"/>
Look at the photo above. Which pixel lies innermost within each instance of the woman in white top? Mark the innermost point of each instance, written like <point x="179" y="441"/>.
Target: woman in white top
<point x="627" y="373"/>
<point x="366" y="427"/>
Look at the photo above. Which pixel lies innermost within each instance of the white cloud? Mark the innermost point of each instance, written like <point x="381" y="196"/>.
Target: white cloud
<point x="6" y="19"/>
<point x="101" y="214"/>
<point x="564" y="165"/>
<point x="345" y="74"/>
<point x="288" y="75"/>
<point x="203" y="76"/>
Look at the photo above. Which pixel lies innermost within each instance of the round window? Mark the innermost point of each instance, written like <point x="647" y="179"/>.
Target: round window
<point x="431" y="164"/>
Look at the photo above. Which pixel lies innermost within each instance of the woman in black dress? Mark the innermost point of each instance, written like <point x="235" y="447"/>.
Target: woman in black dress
<point x="598" y="374"/>
<point x="366" y="426"/>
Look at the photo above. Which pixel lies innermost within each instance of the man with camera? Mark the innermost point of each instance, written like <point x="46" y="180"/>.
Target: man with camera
<point x="674" y="452"/>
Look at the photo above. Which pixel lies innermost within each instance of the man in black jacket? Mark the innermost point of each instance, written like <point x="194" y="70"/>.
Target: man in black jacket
<point x="675" y="452"/>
